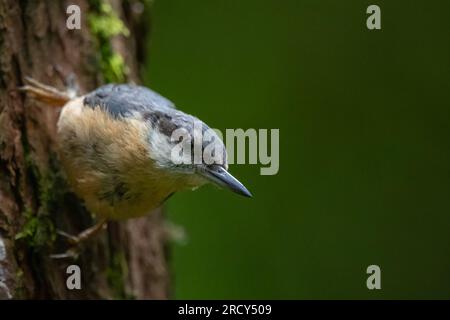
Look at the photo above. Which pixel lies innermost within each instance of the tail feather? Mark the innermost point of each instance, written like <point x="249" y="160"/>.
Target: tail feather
<point x="44" y="93"/>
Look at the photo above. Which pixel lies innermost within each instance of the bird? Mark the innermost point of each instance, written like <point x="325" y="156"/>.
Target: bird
<point x="116" y="148"/>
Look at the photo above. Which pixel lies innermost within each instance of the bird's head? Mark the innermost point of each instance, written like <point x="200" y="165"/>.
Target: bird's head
<point x="189" y="152"/>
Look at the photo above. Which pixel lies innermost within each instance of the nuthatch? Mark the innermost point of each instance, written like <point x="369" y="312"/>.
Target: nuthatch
<point x="115" y="146"/>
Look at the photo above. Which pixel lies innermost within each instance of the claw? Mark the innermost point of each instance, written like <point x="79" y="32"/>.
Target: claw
<point x="72" y="253"/>
<point x="74" y="250"/>
<point x="73" y="240"/>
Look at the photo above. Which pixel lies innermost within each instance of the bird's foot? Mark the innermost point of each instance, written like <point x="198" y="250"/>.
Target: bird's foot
<point x="76" y="242"/>
<point x="71" y="239"/>
<point x="75" y="246"/>
<point x="71" y="253"/>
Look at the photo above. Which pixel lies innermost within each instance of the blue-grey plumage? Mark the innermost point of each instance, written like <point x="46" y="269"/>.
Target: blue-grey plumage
<point x="123" y="100"/>
<point x="116" y="149"/>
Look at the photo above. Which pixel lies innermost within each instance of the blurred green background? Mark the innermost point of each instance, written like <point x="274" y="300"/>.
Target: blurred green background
<point x="364" y="145"/>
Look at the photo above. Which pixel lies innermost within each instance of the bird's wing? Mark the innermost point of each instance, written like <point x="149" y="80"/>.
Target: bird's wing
<point x="124" y="100"/>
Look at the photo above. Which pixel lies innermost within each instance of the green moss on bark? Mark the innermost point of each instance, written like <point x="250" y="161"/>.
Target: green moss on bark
<point x="105" y="24"/>
<point x="39" y="231"/>
<point x="116" y="273"/>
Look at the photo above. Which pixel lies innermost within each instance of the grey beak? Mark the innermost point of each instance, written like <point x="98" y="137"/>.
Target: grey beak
<point x="223" y="178"/>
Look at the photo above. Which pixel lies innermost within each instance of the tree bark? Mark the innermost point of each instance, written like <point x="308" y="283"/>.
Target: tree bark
<point x="127" y="261"/>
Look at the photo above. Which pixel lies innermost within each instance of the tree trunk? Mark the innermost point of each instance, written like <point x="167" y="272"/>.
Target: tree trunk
<point x="129" y="259"/>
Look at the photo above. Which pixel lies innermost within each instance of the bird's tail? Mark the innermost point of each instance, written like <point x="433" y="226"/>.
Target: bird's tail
<point x="46" y="94"/>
